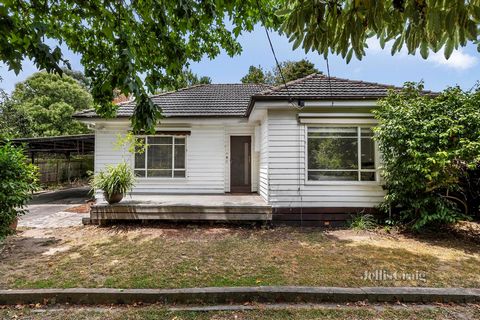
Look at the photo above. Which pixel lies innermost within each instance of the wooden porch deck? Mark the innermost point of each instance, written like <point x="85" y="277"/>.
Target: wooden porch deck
<point x="249" y="207"/>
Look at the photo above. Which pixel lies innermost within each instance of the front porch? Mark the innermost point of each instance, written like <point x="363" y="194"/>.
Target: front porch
<point x="227" y="207"/>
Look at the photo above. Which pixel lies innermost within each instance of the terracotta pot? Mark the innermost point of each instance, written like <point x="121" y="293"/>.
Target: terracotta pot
<point x="114" y="198"/>
<point x="14" y="224"/>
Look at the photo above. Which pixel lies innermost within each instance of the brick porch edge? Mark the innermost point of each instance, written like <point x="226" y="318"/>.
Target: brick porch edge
<point x="217" y="295"/>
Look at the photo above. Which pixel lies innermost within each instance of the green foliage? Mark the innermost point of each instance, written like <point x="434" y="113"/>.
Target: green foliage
<point x="256" y="75"/>
<point x="47" y="102"/>
<point x="291" y="70"/>
<point x="13" y="121"/>
<point x="363" y="222"/>
<point x="114" y="179"/>
<point x="137" y="47"/>
<point x="342" y="27"/>
<point x="79" y="76"/>
<point x="129" y="143"/>
<point x="18" y="179"/>
<point x="186" y="79"/>
<point x="428" y="143"/>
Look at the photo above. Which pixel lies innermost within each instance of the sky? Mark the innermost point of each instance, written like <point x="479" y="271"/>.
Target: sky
<point x="463" y="67"/>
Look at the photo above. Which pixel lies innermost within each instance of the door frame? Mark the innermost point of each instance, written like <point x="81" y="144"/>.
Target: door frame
<point x="228" y="163"/>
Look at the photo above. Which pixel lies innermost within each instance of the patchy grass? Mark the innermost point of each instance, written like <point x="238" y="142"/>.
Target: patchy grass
<point x="319" y="312"/>
<point x="163" y="257"/>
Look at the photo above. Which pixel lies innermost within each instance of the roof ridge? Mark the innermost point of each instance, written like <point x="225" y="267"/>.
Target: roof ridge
<point x="237" y="84"/>
<point x="289" y="83"/>
<point x="388" y="86"/>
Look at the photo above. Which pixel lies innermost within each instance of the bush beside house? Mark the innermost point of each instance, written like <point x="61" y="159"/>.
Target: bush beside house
<point x="431" y="155"/>
<point x="18" y="179"/>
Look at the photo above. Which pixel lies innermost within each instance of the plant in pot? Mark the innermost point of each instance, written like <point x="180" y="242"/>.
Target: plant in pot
<point x="114" y="181"/>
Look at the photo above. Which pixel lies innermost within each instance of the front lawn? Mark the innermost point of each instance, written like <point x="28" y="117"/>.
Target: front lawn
<point x="163" y="257"/>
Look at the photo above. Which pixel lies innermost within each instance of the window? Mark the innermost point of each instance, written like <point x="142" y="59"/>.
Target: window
<point x="341" y="154"/>
<point x="164" y="157"/>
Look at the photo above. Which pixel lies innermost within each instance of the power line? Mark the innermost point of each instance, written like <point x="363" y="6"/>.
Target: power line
<point x="262" y="18"/>
<point x="329" y="80"/>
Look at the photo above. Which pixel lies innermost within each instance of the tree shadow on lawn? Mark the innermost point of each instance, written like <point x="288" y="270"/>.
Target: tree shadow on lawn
<point x="458" y="237"/>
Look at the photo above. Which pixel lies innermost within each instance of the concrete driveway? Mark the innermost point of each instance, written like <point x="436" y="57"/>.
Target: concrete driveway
<point x="47" y="209"/>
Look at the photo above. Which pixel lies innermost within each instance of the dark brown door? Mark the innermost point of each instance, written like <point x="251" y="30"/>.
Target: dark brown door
<point x="240" y="167"/>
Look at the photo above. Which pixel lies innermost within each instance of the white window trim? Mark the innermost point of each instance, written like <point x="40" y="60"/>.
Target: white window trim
<point x="173" y="179"/>
<point x="340" y="182"/>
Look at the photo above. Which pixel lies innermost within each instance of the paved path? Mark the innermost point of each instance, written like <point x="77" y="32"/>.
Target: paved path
<point x="47" y="210"/>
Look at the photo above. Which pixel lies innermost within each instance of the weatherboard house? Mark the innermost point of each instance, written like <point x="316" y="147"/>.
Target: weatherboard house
<point x="296" y="153"/>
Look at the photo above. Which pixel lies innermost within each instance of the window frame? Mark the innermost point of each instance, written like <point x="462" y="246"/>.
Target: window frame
<point x="358" y="128"/>
<point x="172" y="177"/>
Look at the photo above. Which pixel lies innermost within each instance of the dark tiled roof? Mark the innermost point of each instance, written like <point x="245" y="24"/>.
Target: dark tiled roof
<point x="237" y="100"/>
<point x="208" y="100"/>
<point x="320" y="87"/>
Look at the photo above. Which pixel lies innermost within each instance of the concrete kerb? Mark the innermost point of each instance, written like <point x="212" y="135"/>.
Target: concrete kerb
<point x="239" y="295"/>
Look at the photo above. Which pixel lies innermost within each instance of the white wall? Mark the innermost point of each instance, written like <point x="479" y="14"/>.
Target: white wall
<point x="286" y="171"/>
<point x="263" y="183"/>
<point x="207" y="157"/>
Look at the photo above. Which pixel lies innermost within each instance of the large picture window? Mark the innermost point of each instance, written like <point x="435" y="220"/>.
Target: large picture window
<point x="163" y="157"/>
<point x="341" y="154"/>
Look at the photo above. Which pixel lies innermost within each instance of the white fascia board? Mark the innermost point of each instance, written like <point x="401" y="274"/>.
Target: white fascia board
<point x="169" y="122"/>
<point x="335" y="115"/>
<point x="341" y="103"/>
<point x="356" y="121"/>
<point x="265" y="105"/>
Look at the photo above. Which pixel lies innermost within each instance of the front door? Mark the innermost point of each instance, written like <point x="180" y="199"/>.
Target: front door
<point x="240" y="167"/>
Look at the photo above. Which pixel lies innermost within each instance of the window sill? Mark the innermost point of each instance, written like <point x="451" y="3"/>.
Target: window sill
<point x="343" y="183"/>
<point x="162" y="179"/>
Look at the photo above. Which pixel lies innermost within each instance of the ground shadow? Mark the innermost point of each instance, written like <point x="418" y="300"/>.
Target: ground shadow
<point x="67" y="196"/>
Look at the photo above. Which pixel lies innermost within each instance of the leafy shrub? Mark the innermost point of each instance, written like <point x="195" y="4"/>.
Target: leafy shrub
<point x="428" y="144"/>
<point x="363" y="222"/>
<point x="114" y="179"/>
<point x="18" y="179"/>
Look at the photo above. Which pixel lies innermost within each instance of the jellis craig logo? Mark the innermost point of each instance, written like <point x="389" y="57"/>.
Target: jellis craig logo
<point x="385" y="275"/>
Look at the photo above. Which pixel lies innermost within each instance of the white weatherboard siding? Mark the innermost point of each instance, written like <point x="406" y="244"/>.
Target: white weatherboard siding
<point x="263" y="161"/>
<point x="207" y="162"/>
<point x="286" y="171"/>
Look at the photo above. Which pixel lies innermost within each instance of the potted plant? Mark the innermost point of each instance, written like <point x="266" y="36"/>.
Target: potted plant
<point x="114" y="181"/>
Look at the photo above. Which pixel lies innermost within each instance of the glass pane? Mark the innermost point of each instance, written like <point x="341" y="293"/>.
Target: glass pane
<point x="140" y="173"/>
<point x="368" y="153"/>
<point x="179" y="174"/>
<point x="159" y="173"/>
<point x="367" y="176"/>
<point x="140" y="160"/>
<point x="179" y="140"/>
<point x="179" y="156"/>
<point x="333" y="175"/>
<point x="159" y="157"/>
<point x="366" y="132"/>
<point x="159" y="140"/>
<point x="333" y="153"/>
<point x="332" y="132"/>
<point x="139" y="153"/>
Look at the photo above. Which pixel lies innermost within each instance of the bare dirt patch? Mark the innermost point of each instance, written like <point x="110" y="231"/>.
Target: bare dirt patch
<point x="84" y="208"/>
